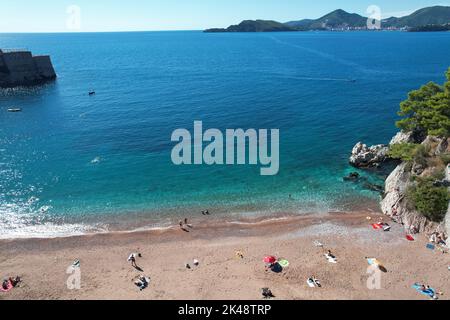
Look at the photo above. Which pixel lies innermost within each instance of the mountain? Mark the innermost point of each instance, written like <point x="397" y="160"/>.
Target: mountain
<point x="341" y="20"/>
<point x="437" y="15"/>
<point x="255" y="26"/>
<point x="305" y="23"/>
<point x="338" y="19"/>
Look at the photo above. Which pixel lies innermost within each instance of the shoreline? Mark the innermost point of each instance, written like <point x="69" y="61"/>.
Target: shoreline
<point x="42" y="263"/>
<point x="141" y="223"/>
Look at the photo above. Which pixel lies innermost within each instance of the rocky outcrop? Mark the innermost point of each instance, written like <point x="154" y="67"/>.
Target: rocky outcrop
<point x="366" y="157"/>
<point x="21" y="68"/>
<point x="402" y="137"/>
<point x="447" y="217"/>
<point x="395" y="205"/>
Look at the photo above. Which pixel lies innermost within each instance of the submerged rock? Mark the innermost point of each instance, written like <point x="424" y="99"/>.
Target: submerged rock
<point x="366" y="157"/>
<point x="374" y="187"/>
<point x="353" y="177"/>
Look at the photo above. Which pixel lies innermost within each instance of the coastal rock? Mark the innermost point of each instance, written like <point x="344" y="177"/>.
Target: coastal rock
<point x="21" y="68"/>
<point x="394" y="203"/>
<point x="364" y="157"/>
<point x="402" y="137"/>
<point x="443" y="147"/>
<point x="447" y="217"/>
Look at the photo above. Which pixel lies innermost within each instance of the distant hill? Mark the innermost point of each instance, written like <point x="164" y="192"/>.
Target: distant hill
<point x="337" y="19"/>
<point x="438" y="15"/>
<point x="341" y="20"/>
<point x="255" y="26"/>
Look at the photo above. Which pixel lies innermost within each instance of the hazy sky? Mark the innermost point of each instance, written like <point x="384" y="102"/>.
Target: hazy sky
<point x="129" y="15"/>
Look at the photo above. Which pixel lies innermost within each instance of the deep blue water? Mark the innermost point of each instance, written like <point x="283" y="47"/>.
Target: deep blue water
<point x="149" y="84"/>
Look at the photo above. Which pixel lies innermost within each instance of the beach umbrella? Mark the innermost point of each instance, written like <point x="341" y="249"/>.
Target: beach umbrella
<point x="270" y="259"/>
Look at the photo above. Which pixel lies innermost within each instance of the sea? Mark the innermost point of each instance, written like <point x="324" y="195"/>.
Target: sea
<point x="71" y="163"/>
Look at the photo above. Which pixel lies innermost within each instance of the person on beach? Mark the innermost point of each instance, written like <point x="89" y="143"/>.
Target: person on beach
<point x="331" y="255"/>
<point x="142" y="282"/>
<point x="132" y="259"/>
<point x="15" y="281"/>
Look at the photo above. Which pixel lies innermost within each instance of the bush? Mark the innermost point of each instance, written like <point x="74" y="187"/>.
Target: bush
<point x="421" y="153"/>
<point x="429" y="200"/>
<point x="403" y="151"/>
<point x="445" y="158"/>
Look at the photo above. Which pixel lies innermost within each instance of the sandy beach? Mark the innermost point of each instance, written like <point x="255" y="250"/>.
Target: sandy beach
<point x="106" y="274"/>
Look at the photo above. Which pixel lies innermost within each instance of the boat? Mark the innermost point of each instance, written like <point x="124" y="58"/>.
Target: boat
<point x="14" y="110"/>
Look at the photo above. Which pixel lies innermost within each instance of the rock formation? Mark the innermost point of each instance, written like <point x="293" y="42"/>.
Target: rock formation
<point x="366" y="157"/>
<point x="395" y="203"/>
<point x="21" y="68"/>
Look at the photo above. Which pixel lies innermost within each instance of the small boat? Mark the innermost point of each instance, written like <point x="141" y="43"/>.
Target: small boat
<point x="14" y="110"/>
<point x="91" y="93"/>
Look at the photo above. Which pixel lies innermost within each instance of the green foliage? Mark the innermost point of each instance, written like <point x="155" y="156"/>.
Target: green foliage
<point x="445" y="158"/>
<point x="427" y="109"/>
<point x="421" y="153"/>
<point x="403" y="151"/>
<point x="429" y="200"/>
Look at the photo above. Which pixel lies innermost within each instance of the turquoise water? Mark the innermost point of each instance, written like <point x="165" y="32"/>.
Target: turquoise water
<point x="149" y="84"/>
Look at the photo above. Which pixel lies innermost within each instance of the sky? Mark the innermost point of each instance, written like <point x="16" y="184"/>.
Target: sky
<point x="149" y="15"/>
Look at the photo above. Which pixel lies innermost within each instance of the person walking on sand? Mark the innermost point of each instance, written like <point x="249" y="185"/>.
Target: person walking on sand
<point x="132" y="259"/>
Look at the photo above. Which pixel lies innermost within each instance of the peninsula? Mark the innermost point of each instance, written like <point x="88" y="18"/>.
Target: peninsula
<point x="255" y="26"/>
<point x="21" y="68"/>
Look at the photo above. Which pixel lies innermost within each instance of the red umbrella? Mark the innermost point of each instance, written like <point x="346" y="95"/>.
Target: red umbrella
<point x="270" y="259"/>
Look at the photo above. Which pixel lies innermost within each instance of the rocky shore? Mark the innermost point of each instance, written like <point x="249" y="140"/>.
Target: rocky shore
<point x="395" y="202"/>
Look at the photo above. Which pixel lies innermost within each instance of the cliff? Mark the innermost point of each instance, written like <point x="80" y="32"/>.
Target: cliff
<point x="396" y="202"/>
<point x="21" y="68"/>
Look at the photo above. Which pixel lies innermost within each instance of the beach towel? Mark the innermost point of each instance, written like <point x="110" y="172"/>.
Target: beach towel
<point x="284" y="263"/>
<point x="318" y="244"/>
<point x="377" y="226"/>
<point x="430" y="292"/>
<point x="431" y="246"/>
<point x="331" y="259"/>
<point x="409" y="237"/>
<point x="8" y="288"/>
